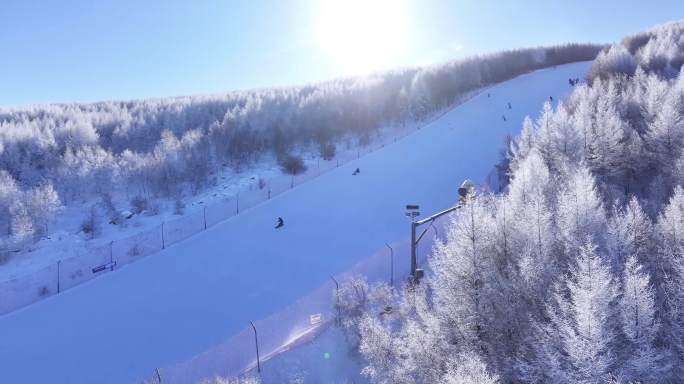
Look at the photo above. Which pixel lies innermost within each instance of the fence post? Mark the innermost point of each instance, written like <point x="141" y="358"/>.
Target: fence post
<point x="58" y="261"/>
<point x="256" y="340"/>
<point x="159" y="375"/>
<point x="111" y="257"/>
<point x="337" y="288"/>
<point x="163" y="243"/>
<point x="391" y="264"/>
<point x="205" y="217"/>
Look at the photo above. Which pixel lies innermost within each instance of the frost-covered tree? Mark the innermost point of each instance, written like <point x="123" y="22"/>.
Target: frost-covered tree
<point x="23" y="228"/>
<point x="469" y="369"/>
<point x="582" y="315"/>
<point x="643" y="363"/>
<point x="403" y="106"/>
<point x="42" y="204"/>
<point x="580" y="210"/>
<point x="9" y="195"/>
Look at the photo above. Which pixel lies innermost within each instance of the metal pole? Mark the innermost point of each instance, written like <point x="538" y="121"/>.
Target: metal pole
<point x="58" y="261"/>
<point x="159" y="375"/>
<point x="111" y="257"/>
<point x="413" y="248"/>
<point x="205" y="217"/>
<point x="237" y="203"/>
<point x="256" y="340"/>
<point x="319" y="166"/>
<point x="391" y="265"/>
<point x="337" y="288"/>
<point x="292" y="185"/>
<point x="269" y="187"/>
<point x="163" y="243"/>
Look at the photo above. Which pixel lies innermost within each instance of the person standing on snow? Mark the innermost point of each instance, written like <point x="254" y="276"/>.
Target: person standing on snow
<point x="280" y="222"/>
<point x="551" y="97"/>
<point x="509" y="106"/>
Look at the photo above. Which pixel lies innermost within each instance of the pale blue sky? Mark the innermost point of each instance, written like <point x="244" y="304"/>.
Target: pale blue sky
<point x="76" y="50"/>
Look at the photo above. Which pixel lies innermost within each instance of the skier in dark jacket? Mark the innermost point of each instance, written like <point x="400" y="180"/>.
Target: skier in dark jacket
<point x="551" y="97"/>
<point x="509" y="106"/>
<point x="504" y="118"/>
<point x="280" y="222"/>
<point x="356" y="172"/>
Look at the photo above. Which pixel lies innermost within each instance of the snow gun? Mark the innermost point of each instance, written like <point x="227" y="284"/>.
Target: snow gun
<point x="465" y="189"/>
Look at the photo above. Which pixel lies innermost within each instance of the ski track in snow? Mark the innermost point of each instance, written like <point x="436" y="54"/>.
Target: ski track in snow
<point x="180" y="302"/>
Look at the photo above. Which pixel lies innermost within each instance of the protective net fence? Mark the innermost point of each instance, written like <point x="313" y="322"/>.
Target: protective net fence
<point x="79" y="269"/>
<point x="18" y="293"/>
<point x="128" y="250"/>
<point x="66" y="274"/>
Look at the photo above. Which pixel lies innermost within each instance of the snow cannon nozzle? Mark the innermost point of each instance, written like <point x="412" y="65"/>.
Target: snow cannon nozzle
<point x="466" y="187"/>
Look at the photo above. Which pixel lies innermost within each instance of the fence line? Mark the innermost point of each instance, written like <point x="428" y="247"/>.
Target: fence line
<point x="68" y="273"/>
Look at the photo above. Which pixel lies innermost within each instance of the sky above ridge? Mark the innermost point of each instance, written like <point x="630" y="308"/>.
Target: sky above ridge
<point x="75" y="50"/>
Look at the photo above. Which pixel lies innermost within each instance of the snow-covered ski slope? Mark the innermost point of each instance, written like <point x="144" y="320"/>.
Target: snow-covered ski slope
<point x="182" y="301"/>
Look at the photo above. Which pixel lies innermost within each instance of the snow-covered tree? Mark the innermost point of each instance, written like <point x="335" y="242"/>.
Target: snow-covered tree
<point x="23" y="228"/>
<point x="582" y="315"/>
<point x="43" y="204"/>
<point x="637" y="308"/>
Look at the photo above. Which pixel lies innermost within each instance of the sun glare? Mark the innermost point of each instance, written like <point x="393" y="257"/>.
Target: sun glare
<point x="362" y="35"/>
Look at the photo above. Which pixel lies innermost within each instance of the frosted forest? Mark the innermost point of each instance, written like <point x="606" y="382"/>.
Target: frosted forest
<point x="573" y="275"/>
<point x="56" y="155"/>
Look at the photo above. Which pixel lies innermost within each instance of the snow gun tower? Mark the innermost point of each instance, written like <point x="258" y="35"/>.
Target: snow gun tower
<point x="416" y="274"/>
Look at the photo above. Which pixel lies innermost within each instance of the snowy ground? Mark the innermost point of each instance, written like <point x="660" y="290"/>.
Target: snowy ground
<point x="180" y="302"/>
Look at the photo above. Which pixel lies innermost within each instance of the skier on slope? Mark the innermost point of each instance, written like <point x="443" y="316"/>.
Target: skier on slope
<point x="504" y="118"/>
<point x="356" y="172"/>
<point x="509" y="106"/>
<point x="280" y="222"/>
<point x="551" y="97"/>
<point x="572" y="82"/>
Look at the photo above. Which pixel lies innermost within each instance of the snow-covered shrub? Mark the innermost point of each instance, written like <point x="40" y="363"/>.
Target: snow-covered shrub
<point x="92" y="224"/>
<point x="108" y="203"/>
<point x="178" y="207"/>
<point x="246" y="379"/>
<point x="328" y="151"/>
<point x="153" y="208"/>
<point x="139" y="204"/>
<point x="291" y="164"/>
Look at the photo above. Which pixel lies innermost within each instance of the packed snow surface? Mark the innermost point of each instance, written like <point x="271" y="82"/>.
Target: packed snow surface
<point x="173" y="305"/>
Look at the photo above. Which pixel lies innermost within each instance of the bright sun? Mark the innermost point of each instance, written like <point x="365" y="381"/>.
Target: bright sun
<point x="362" y="35"/>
